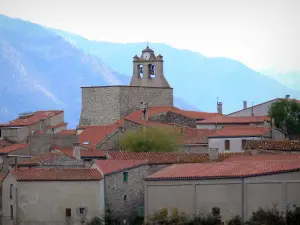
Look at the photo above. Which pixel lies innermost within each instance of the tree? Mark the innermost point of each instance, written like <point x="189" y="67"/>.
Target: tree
<point x="286" y="115"/>
<point x="150" y="139"/>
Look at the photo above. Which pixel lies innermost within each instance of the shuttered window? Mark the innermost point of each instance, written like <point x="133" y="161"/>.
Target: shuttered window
<point x="125" y="176"/>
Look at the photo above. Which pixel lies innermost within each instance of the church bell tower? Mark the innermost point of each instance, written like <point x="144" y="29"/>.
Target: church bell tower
<point x="148" y="70"/>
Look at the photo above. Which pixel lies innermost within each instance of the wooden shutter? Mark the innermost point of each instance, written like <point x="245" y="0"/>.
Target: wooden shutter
<point x="227" y="145"/>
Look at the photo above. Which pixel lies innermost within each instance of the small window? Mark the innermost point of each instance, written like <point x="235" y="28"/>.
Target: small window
<point x="11" y="212"/>
<point x="81" y="210"/>
<point x="125" y="197"/>
<point x="227" y="145"/>
<point x="244" y="143"/>
<point x="10" y="191"/>
<point x="125" y="176"/>
<point x="68" y="212"/>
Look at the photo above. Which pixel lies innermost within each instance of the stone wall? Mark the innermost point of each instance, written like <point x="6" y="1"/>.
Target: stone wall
<point x="171" y="117"/>
<point x="105" y="105"/>
<point x="116" y="189"/>
<point x="196" y="148"/>
<point x="41" y="143"/>
<point x="63" y="161"/>
<point x="112" y="142"/>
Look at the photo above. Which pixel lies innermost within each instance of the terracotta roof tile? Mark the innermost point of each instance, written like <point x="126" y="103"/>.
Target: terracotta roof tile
<point x="91" y="136"/>
<point x="196" y="136"/>
<point x="67" y="132"/>
<point x="83" y="152"/>
<point x="51" y="174"/>
<point x="30" y="120"/>
<point x="225" y="169"/>
<point x="113" y="166"/>
<point x="235" y="120"/>
<point x="241" y="131"/>
<point x="12" y="148"/>
<point x="36" y="160"/>
<point x="272" y="145"/>
<point x="264" y="158"/>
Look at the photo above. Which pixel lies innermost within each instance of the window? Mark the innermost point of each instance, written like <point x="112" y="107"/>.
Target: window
<point x="140" y="71"/>
<point x="125" y="198"/>
<point x="10" y="191"/>
<point x="11" y="212"/>
<point x="68" y="212"/>
<point x="125" y="176"/>
<point x="81" y="210"/>
<point x="151" y="71"/>
<point x="0" y="132"/>
<point x="227" y="145"/>
<point x="243" y="143"/>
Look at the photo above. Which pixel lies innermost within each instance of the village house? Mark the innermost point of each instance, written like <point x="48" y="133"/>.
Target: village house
<point x="233" y="139"/>
<point x="18" y="130"/>
<point x="272" y="147"/>
<point x="237" y="187"/>
<point x="45" y="196"/>
<point x="123" y="188"/>
<point x="11" y="154"/>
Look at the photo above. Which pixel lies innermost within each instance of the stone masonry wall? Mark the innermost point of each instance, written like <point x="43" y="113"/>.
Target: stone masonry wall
<point x="116" y="188"/>
<point x="171" y="117"/>
<point x="105" y="105"/>
<point x="112" y="142"/>
<point x="63" y="161"/>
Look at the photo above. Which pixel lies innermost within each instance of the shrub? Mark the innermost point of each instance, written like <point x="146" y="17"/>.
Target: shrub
<point x="293" y="216"/>
<point x="236" y="220"/>
<point x="266" y="217"/>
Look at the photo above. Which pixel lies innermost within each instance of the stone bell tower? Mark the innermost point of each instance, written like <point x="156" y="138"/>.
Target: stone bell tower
<point x="148" y="70"/>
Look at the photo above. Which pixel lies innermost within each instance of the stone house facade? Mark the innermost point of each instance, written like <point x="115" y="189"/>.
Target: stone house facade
<point x="123" y="188"/>
<point x="28" y="193"/>
<point x="18" y="130"/>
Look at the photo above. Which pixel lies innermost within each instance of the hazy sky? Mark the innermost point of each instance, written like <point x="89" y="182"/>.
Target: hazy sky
<point x="263" y="34"/>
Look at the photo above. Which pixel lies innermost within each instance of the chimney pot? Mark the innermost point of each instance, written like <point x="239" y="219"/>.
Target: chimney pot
<point x="220" y="107"/>
<point x="245" y="105"/>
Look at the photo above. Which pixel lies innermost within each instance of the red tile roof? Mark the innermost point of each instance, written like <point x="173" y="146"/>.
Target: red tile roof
<point x="263" y="158"/>
<point x="113" y="166"/>
<point x="12" y="148"/>
<point x="83" y="152"/>
<point x="235" y="120"/>
<point x="36" y="160"/>
<point x="169" y="158"/>
<point x="67" y="132"/>
<point x="196" y="136"/>
<point x="93" y="135"/>
<point x="30" y="120"/>
<point x="137" y="115"/>
<point x="240" y="131"/>
<point x="55" y="174"/>
<point x="272" y="145"/>
<point x="225" y="169"/>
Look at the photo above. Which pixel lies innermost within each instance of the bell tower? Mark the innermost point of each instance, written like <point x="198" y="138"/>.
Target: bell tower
<point x="148" y="70"/>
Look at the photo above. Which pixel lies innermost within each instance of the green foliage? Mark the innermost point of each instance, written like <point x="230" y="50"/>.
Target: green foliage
<point x="266" y="217"/>
<point x="293" y="216"/>
<point x="236" y="220"/>
<point x="150" y="139"/>
<point x="96" y="221"/>
<point x="286" y="114"/>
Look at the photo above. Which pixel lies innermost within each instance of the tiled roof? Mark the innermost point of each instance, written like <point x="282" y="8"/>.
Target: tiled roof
<point x="91" y="136"/>
<point x="36" y="160"/>
<point x="225" y="169"/>
<point x="196" y="136"/>
<point x="241" y="131"/>
<point x="169" y="158"/>
<point x="83" y="152"/>
<point x="55" y="174"/>
<point x="12" y="148"/>
<point x="284" y="157"/>
<point x="30" y="120"/>
<point x="56" y="126"/>
<point x="137" y="115"/>
<point x="272" y="145"/>
<point x="148" y="123"/>
<point x="235" y="120"/>
<point x="113" y="166"/>
<point x="67" y="132"/>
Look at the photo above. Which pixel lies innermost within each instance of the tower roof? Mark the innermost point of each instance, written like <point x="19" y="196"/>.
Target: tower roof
<point x="147" y="49"/>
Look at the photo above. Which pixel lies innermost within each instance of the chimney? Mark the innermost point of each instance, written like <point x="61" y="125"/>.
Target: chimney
<point x="76" y="151"/>
<point x="287" y="96"/>
<point x="245" y="105"/>
<point x="213" y="154"/>
<point x="220" y="107"/>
